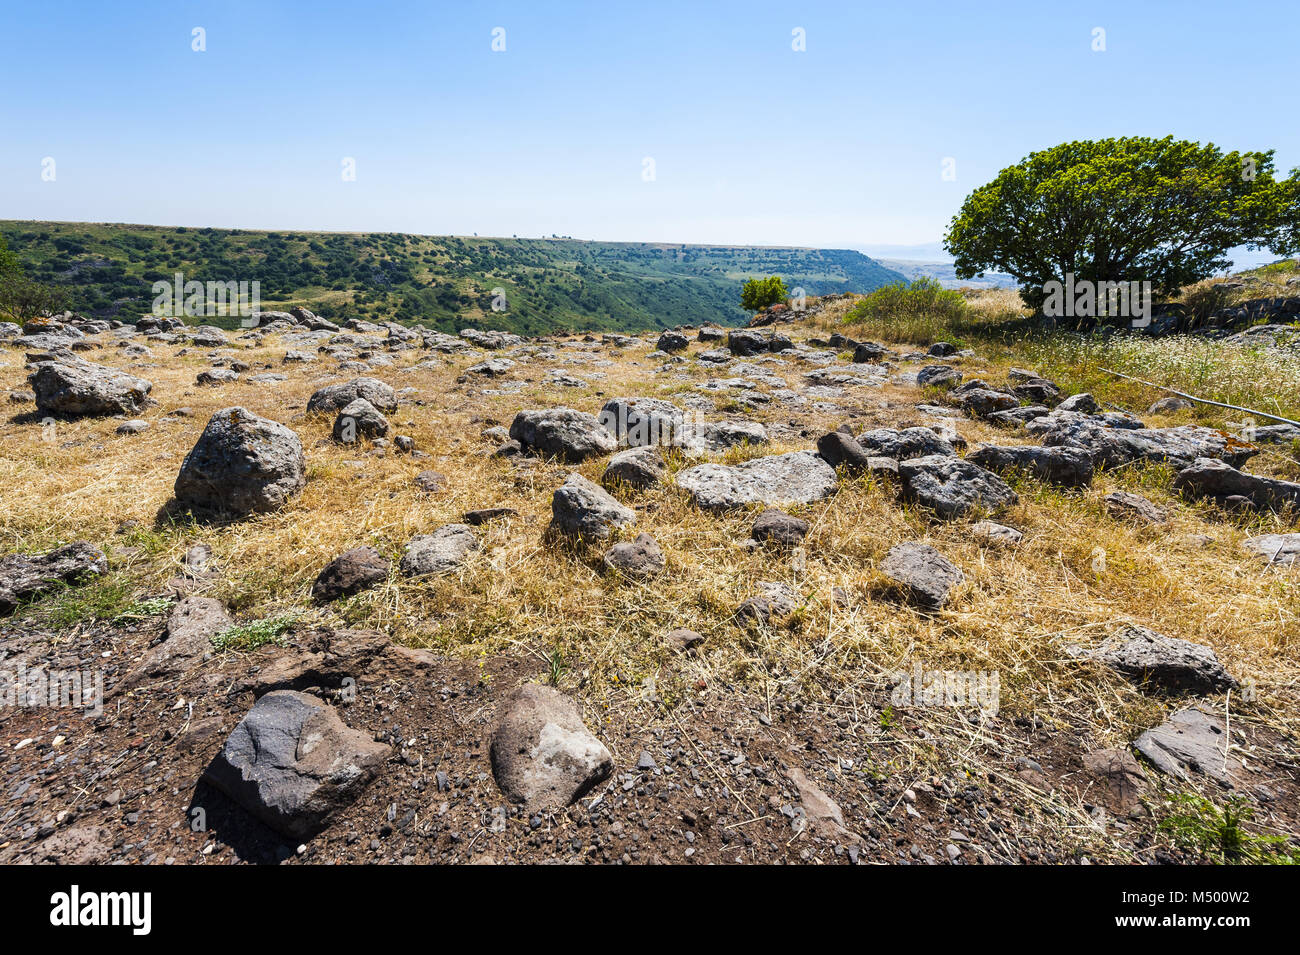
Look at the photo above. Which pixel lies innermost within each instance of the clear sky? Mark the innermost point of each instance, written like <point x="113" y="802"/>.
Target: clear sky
<point x="752" y="142"/>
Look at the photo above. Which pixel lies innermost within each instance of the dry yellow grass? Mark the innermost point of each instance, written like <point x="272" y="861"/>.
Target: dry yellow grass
<point x="524" y="594"/>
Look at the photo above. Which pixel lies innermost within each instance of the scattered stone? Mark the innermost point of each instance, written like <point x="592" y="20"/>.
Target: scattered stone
<point x="562" y="433"/>
<point x="1191" y="741"/>
<point x="904" y="444"/>
<point x="439" y="552"/>
<point x="1064" y="467"/>
<point x="216" y="376"/>
<point x="636" y="468"/>
<point x="24" y="577"/>
<point x="673" y="341"/>
<point x="778" y="527"/>
<point x="1171" y="405"/>
<point x="1118" y="778"/>
<point x="134" y="426"/>
<point x="684" y="641"/>
<point x="293" y="763"/>
<point x="925" y="576"/>
<point x="350" y="573"/>
<point x="639" y="559"/>
<point x="952" y="487"/>
<point x="821" y="814"/>
<point x="775" y="600"/>
<point x="581" y="508"/>
<point x="242" y="464"/>
<point x="70" y="387"/>
<point x="1146" y="657"/>
<point x="485" y="515"/>
<point x="431" y="482"/>
<point x="1082" y="403"/>
<point x="339" y="396"/>
<point x="1125" y="506"/>
<point x="191" y="625"/>
<point x="796" y="478"/>
<point x="994" y="533"/>
<point x="938" y="376"/>
<point x="1279" y="550"/>
<point x="1209" y="477"/>
<point x="542" y="754"/>
<point x="359" y="418"/>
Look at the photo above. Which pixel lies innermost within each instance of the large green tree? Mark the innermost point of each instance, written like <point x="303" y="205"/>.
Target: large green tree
<point x="1123" y="210"/>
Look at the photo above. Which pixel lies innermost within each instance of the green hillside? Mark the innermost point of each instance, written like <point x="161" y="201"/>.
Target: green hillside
<point x="107" y="271"/>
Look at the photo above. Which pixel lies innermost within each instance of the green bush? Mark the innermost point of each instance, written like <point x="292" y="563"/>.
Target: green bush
<point x="760" y="293"/>
<point x="920" y="311"/>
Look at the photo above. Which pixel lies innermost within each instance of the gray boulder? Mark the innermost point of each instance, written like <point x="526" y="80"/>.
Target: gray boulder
<point x="636" y="467"/>
<point x="778" y="527"/>
<point x="796" y="478"/>
<point x="925" y="576"/>
<point x="582" y="509"/>
<point x="639" y="559"/>
<point x="774" y="600"/>
<point x="673" y="341"/>
<point x="1191" y="742"/>
<point x="562" y="433"/>
<point x="904" y="444"/>
<point x="1065" y="467"/>
<point x="436" y="553"/>
<point x="952" y="487"/>
<point x="643" y="422"/>
<point x="1208" y="477"/>
<point x="1112" y="447"/>
<point x="191" y="625"/>
<point x="350" y="573"/>
<point x="338" y="396"/>
<point x="1126" y="506"/>
<point x="1144" y="656"/>
<point x="293" y="763"/>
<point x="359" y="419"/>
<point x="938" y="376"/>
<point x="24" y="577"/>
<point x="242" y="464"/>
<point x="70" y="387"/>
<point x="542" y="754"/>
<point x="1279" y="550"/>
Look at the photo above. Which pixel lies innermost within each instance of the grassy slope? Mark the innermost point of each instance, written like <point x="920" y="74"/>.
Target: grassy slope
<point x="444" y="281"/>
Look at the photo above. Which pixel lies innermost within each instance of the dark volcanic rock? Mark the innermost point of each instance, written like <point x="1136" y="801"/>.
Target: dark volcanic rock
<point x="925" y="575"/>
<point x="293" y="763"/>
<point x="24" y="577"/>
<point x="952" y="487"/>
<point x="1066" y="467"/>
<point x="242" y="464"/>
<point x="350" y="573"/>
<point x="562" y="433"/>
<point x="70" y="387"/>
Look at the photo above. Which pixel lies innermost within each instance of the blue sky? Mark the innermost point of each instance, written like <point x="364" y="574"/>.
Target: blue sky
<point x="752" y="142"/>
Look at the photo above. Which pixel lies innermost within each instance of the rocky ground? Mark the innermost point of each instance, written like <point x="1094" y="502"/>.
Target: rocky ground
<point x="381" y="594"/>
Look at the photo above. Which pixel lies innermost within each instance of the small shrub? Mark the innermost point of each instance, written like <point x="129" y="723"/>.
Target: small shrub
<point x="245" y="637"/>
<point x="922" y="311"/>
<point x="760" y="293"/>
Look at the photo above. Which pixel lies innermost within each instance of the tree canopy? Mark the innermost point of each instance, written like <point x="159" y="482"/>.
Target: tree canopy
<point x="1127" y="209"/>
<point x="760" y="293"/>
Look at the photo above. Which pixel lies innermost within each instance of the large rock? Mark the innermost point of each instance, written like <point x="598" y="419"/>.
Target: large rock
<point x="293" y="763"/>
<point x="671" y="341"/>
<point x="1208" y="477"/>
<point x="1279" y="550"/>
<point x="1191" y="742"/>
<point x="796" y="478"/>
<point x="69" y="387"/>
<point x="774" y="600"/>
<point x="242" y="464"/>
<point x="562" y="433"/>
<point x="643" y="422"/>
<point x="1127" y="506"/>
<point x="24" y="577"/>
<point x="938" y="376"/>
<point x="636" y="467"/>
<point x="904" y="444"/>
<point x="640" y="558"/>
<point x="339" y="396"/>
<point x="582" y="509"/>
<point x="952" y="487"/>
<point x="436" y="553"/>
<point x="925" y="576"/>
<point x="191" y="625"/>
<point x="1066" y="467"/>
<point x="358" y="419"/>
<point x="780" y="528"/>
<point x="542" y="755"/>
<point x="745" y="342"/>
<point x="350" y="573"/>
<point x="1151" y="658"/>
<point x="1112" y="447"/>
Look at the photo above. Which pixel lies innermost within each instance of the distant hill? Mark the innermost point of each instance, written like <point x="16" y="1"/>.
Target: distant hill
<point x="444" y="281"/>
<point x="946" y="275"/>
